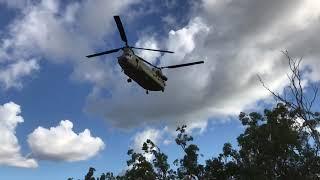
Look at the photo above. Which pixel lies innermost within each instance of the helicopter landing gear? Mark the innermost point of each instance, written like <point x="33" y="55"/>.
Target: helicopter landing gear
<point x="129" y="80"/>
<point x="147" y="92"/>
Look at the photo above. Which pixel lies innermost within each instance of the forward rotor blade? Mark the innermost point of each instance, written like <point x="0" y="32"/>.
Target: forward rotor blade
<point x="182" y="65"/>
<point x="147" y="62"/>
<point x="152" y="50"/>
<point x="120" y="28"/>
<point x="102" y="53"/>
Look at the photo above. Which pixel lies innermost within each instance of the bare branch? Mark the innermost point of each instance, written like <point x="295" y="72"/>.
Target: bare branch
<point x="300" y="103"/>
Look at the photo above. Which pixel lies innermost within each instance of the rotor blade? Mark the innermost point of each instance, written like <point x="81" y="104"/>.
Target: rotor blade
<point x="120" y="28"/>
<point x="147" y="62"/>
<point x="102" y="53"/>
<point x="182" y="65"/>
<point x="152" y="49"/>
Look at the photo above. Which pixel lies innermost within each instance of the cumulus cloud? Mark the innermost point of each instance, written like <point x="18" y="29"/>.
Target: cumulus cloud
<point x="15" y="3"/>
<point x="61" y="143"/>
<point x="58" y="32"/>
<point x="155" y="107"/>
<point x="154" y="135"/>
<point x="10" y="149"/>
<point x="57" y="143"/>
<point x="149" y="133"/>
<point x="237" y="41"/>
<point x="148" y="42"/>
<point x="11" y="75"/>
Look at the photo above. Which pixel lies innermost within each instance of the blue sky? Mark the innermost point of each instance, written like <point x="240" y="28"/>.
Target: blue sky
<point x="46" y="79"/>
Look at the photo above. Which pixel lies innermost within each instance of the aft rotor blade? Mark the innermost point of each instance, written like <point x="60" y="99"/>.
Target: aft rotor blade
<point x="121" y="29"/>
<point x="147" y="62"/>
<point x="165" y="51"/>
<point x="182" y="65"/>
<point x="102" y="53"/>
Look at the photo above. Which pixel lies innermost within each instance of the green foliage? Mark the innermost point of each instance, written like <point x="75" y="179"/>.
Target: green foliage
<point x="273" y="146"/>
<point x="140" y="168"/>
<point x="189" y="163"/>
<point x="108" y="176"/>
<point x="159" y="162"/>
<point x="89" y="175"/>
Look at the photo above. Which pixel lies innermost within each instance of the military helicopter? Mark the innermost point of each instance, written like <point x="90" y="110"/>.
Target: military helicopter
<point x="147" y="75"/>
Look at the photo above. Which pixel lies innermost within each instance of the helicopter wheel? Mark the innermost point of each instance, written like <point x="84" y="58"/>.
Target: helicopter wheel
<point x="147" y="92"/>
<point x="129" y="80"/>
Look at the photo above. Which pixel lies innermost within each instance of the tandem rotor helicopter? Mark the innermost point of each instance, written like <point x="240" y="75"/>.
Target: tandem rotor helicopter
<point x="147" y="75"/>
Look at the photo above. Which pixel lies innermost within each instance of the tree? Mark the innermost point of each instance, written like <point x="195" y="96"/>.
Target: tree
<point x="89" y="175"/>
<point x="295" y="97"/>
<point x="280" y="143"/>
<point x="139" y="167"/>
<point x="102" y="177"/>
<point x="271" y="147"/>
<point x="160" y="161"/>
<point x="189" y="163"/>
<point x="225" y="166"/>
<point x="271" y="144"/>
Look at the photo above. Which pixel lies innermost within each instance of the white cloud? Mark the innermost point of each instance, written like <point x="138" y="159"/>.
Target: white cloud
<point x="151" y="43"/>
<point x="60" y="143"/>
<point x="156" y="106"/>
<point x="154" y="135"/>
<point x="167" y="142"/>
<point x="170" y="20"/>
<point x="184" y="40"/>
<point x="15" y="3"/>
<point x="10" y="149"/>
<point x="237" y="41"/>
<point x="11" y="75"/>
<point x="56" y="143"/>
<point x="50" y="5"/>
<point x="149" y="133"/>
<point x="47" y="31"/>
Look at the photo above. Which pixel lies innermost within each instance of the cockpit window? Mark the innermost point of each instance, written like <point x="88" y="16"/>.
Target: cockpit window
<point x="158" y="72"/>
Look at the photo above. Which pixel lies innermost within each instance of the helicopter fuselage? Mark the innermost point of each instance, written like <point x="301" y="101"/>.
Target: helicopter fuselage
<point x="149" y="78"/>
<point x="147" y="75"/>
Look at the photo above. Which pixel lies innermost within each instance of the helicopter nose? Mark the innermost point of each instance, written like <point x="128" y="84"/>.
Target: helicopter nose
<point x="124" y="62"/>
<point x="121" y="59"/>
